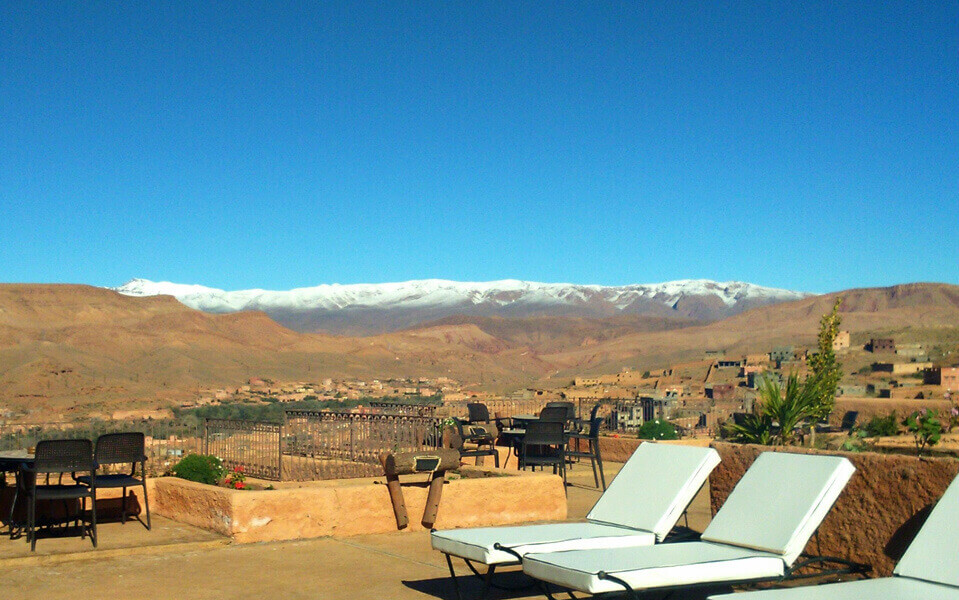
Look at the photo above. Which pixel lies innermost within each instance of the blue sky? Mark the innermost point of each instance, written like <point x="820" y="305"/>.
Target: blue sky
<point x="811" y="146"/>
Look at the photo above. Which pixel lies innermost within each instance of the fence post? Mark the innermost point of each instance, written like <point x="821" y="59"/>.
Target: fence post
<point x="352" y="430"/>
<point x="206" y="436"/>
<point x="279" y="451"/>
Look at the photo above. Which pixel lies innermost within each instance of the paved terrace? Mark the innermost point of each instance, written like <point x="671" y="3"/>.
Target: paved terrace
<point x="179" y="561"/>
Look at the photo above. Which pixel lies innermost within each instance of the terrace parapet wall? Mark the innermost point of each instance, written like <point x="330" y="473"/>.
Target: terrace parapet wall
<point x="350" y="507"/>
<point x="877" y="515"/>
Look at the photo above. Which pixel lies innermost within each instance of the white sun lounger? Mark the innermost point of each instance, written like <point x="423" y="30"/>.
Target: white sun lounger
<point x="758" y="534"/>
<point x="640" y="507"/>
<point x="929" y="570"/>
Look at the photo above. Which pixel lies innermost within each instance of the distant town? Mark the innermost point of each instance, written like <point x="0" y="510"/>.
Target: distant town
<point x="696" y="396"/>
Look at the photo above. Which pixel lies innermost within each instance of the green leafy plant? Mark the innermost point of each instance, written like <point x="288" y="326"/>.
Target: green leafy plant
<point x="881" y="426"/>
<point x="658" y="429"/>
<point x="755" y="429"/>
<point x="856" y="442"/>
<point x="925" y="428"/>
<point x="202" y="468"/>
<point x="781" y="412"/>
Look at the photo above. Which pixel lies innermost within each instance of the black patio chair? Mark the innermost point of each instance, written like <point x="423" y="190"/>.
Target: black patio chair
<point x="544" y="444"/>
<point x="478" y="413"/>
<point x="56" y="457"/>
<point x="483" y="440"/>
<point x="122" y="449"/>
<point x="569" y="406"/>
<point x="591" y="438"/>
<point x="554" y="414"/>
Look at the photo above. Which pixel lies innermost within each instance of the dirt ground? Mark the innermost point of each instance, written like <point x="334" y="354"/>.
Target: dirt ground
<point x="396" y="566"/>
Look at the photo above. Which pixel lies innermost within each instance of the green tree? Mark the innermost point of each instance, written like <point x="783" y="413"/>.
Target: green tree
<point x="826" y="370"/>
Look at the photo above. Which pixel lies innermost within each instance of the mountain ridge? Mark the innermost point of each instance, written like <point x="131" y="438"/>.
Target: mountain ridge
<point x="74" y="350"/>
<point x="365" y="309"/>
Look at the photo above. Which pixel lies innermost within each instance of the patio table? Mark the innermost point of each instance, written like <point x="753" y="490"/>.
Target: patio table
<point x="520" y="421"/>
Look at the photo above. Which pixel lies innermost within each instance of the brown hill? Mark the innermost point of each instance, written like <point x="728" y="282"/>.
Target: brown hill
<point x="68" y="349"/>
<point x="551" y="334"/>
<point x="73" y="349"/>
<point x="902" y="309"/>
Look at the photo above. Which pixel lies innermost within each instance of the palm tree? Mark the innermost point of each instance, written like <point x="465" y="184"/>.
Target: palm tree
<point x="780" y="413"/>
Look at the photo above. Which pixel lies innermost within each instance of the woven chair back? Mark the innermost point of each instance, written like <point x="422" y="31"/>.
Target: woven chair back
<point x="63" y="456"/>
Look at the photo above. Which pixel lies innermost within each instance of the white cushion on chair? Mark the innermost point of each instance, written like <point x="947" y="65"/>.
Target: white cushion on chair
<point x="780" y="502"/>
<point x="478" y="544"/>
<point x="934" y="553"/>
<point x="663" y="565"/>
<point x="654" y="487"/>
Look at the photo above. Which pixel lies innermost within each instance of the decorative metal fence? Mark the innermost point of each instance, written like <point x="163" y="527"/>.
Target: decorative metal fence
<point x="327" y="445"/>
<point x="166" y="441"/>
<point x="254" y="445"/>
<point x="404" y="408"/>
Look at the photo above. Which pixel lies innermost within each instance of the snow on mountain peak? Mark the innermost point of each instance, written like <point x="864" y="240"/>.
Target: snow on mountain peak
<point x="440" y="293"/>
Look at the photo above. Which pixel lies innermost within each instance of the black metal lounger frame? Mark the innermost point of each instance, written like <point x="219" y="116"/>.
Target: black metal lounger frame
<point x="676" y="535"/>
<point x="842" y="567"/>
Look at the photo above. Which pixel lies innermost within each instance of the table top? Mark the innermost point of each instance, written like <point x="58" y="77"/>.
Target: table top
<point x="525" y="417"/>
<point x="15" y="457"/>
<point x="514" y="431"/>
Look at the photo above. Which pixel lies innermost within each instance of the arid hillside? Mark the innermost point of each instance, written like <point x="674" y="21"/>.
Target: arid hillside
<point x="70" y="350"/>
<point x="914" y="312"/>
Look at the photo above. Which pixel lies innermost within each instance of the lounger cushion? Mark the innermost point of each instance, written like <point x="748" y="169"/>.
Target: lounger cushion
<point x="477" y="544"/>
<point x="886" y="588"/>
<point x="654" y="487"/>
<point x="934" y="553"/>
<point x="780" y="502"/>
<point x="648" y="567"/>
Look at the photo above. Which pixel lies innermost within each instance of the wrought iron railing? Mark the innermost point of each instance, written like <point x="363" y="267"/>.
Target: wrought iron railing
<point x="256" y="446"/>
<point x="324" y="445"/>
<point x="404" y="408"/>
<point x="166" y="440"/>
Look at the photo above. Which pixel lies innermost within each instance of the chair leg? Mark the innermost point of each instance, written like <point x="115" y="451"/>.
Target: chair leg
<point x="599" y="462"/>
<point x="81" y="520"/>
<point x="592" y="463"/>
<point x="93" y="517"/>
<point x="146" y="503"/>
<point x="32" y="522"/>
<point x="123" y="508"/>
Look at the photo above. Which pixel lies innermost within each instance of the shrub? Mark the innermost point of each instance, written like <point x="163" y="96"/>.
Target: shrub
<point x="658" y="429"/>
<point x="882" y="426"/>
<point x="781" y="413"/>
<point x="925" y="428"/>
<point x="201" y="468"/>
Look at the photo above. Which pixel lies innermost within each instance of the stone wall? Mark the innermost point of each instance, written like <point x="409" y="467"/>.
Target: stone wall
<point x="357" y="506"/>
<point x="876" y="516"/>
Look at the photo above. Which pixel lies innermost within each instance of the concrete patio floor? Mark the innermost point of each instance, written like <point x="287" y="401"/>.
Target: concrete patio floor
<point x="187" y="563"/>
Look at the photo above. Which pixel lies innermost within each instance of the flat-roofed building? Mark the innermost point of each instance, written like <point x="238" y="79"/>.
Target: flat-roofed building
<point x="882" y="345"/>
<point x="947" y="377"/>
<point x="841" y="341"/>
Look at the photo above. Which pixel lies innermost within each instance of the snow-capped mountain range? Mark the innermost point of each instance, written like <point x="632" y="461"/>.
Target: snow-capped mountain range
<point x="373" y="308"/>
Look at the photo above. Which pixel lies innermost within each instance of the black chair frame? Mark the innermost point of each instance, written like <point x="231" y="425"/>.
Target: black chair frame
<point x="591" y="438"/>
<point x="57" y="457"/>
<point x="117" y="449"/>
<point x="481" y="437"/>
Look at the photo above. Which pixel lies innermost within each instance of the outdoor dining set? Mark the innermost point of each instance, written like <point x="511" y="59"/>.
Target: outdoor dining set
<point x="54" y="480"/>
<point x="553" y="438"/>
